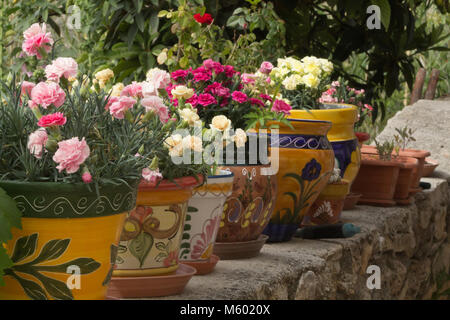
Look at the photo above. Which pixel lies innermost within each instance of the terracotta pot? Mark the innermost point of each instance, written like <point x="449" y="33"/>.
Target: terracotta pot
<point x="362" y="137"/>
<point x="429" y="167"/>
<point x="328" y="206"/>
<point x="341" y="135"/>
<point x="351" y="200"/>
<point x="64" y="225"/>
<point x="203" y="218"/>
<point x="420" y="155"/>
<point x="152" y="233"/>
<point x="405" y="179"/>
<point x="376" y="180"/>
<point x="248" y="209"/>
<point x="306" y="160"/>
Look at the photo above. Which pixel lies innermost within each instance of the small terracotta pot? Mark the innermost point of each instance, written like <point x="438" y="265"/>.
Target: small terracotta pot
<point x="351" y="200"/>
<point x="420" y="155"/>
<point x="362" y="137"/>
<point x="376" y="181"/>
<point x="429" y="167"/>
<point x="328" y="206"/>
<point x="405" y="179"/>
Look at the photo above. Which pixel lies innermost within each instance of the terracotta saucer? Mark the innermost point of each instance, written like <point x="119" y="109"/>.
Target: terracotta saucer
<point x="203" y="267"/>
<point x="404" y="202"/>
<point x="239" y="250"/>
<point x="376" y="202"/>
<point x="148" y="287"/>
<point x="350" y="200"/>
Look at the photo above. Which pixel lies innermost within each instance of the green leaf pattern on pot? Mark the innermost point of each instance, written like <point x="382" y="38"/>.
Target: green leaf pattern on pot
<point x="141" y="246"/>
<point x="185" y="238"/>
<point x="25" y="247"/>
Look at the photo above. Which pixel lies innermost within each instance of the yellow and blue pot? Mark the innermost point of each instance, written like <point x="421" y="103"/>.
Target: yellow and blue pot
<point x="305" y="162"/>
<point x="341" y="135"/>
<point x="68" y="242"/>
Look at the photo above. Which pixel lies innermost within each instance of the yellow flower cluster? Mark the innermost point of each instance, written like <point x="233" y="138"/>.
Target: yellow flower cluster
<point x="309" y="71"/>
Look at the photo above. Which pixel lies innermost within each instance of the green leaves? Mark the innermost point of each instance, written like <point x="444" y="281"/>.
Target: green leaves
<point x="25" y="247"/>
<point x="9" y="218"/>
<point x="141" y="246"/>
<point x="385" y="11"/>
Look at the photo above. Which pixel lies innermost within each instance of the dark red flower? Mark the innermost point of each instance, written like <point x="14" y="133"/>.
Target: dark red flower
<point x="203" y="19"/>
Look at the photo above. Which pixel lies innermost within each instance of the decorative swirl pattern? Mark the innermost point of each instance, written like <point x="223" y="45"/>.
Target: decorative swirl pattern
<point x="59" y="206"/>
<point x="301" y="142"/>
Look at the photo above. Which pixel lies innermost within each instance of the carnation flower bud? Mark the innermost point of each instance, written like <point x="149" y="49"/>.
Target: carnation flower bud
<point x="87" y="177"/>
<point x="51" y="144"/>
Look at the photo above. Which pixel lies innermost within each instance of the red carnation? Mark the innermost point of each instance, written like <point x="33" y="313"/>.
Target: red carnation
<point x="203" y="19"/>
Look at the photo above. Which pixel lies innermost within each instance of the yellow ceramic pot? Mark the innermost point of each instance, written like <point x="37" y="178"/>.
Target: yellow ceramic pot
<point x="152" y="233"/>
<point x="68" y="242"/>
<point x="306" y="160"/>
<point x="341" y="135"/>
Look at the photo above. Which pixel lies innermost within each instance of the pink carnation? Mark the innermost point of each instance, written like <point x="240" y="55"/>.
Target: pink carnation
<point x="119" y="106"/>
<point x="87" y="177"/>
<point x="151" y="176"/>
<point x="133" y="90"/>
<point x="156" y="104"/>
<point x="239" y="96"/>
<point x="71" y="154"/>
<point x="229" y="71"/>
<point x="61" y="67"/>
<point x="248" y="78"/>
<point x="45" y="94"/>
<point x="36" y="37"/>
<point x="36" y="142"/>
<point x="265" y="97"/>
<point x="179" y="74"/>
<point x="255" y="101"/>
<point x="213" y="65"/>
<point x="27" y="87"/>
<point x="266" y="67"/>
<point x="205" y="99"/>
<point x="192" y="100"/>
<point x="201" y="74"/>
<point x="281" y="106"/>
<point x="54" y="119"/>
<point x="159" y="78"/>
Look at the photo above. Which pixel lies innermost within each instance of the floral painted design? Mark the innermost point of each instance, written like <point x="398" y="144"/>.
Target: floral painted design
<point x="202" y="244"/>
<point x="171" y="259"/>
<point x="311" y="171"/>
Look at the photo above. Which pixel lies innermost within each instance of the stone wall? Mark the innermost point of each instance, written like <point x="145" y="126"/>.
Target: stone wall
<point x="410" y="245"/>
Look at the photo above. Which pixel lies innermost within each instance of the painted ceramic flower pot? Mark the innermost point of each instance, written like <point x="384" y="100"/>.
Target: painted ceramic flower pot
<point x="203" y="218"/>
<point x="152" y="233"/>
<point x="246" y="212"/>
<point x="328" y="206"/>
<point x="306" y="161"/>
<point x="66" y="229"/>
<point x="341" y="135"/>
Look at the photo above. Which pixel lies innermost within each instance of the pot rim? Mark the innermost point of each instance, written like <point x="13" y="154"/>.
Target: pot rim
<point x="223" y="174"/>
<point x="177" y="184"/>
<point x="78" y="186"/>
<point x="404" y="163"/>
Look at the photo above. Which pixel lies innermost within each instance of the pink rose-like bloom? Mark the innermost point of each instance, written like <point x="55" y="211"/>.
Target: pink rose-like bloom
<point x="151" y="176"/>
<point x="248" y="78"/>
<point x="265" y="97"/>
<point x="369" y="107"/>
<point x="54" y="119"/>
<point x="71" y="154"/>
<point x="229" y="71"/>
<point x="239" y="96"/>
<point x="266" y="67"/>
<point x="36" y="142"/>
<point x="281" y="106"/>
<point x="36" y="37"/>
<point x="133" y="90"/>
<point x="179" y="74"/>
<point x="256" y="102"/>
<point x="193" y="100"/>
<point x="205" y="99"/>
<point x="61" y="67"/>
<point x="120" y="105"/>
<point x="335" y="84"/>
<point x="87" y="177"/>
<point x="156" y="104"/>
<point x="45" y="94"/>
<point x="27" y="87"/>
<point x="201" y="74"/>
<point x="160" y="79"/>
<point x="209" y="64"/>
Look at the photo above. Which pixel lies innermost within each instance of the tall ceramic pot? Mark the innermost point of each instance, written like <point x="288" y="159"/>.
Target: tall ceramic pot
<point x="152" y="233"/>
<point x="246" y="212"/>
<point x="203" y="220"/>
<point x="341" y="135"/>
<point x="306" y="161"/>
<point x="66" y="229"/>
